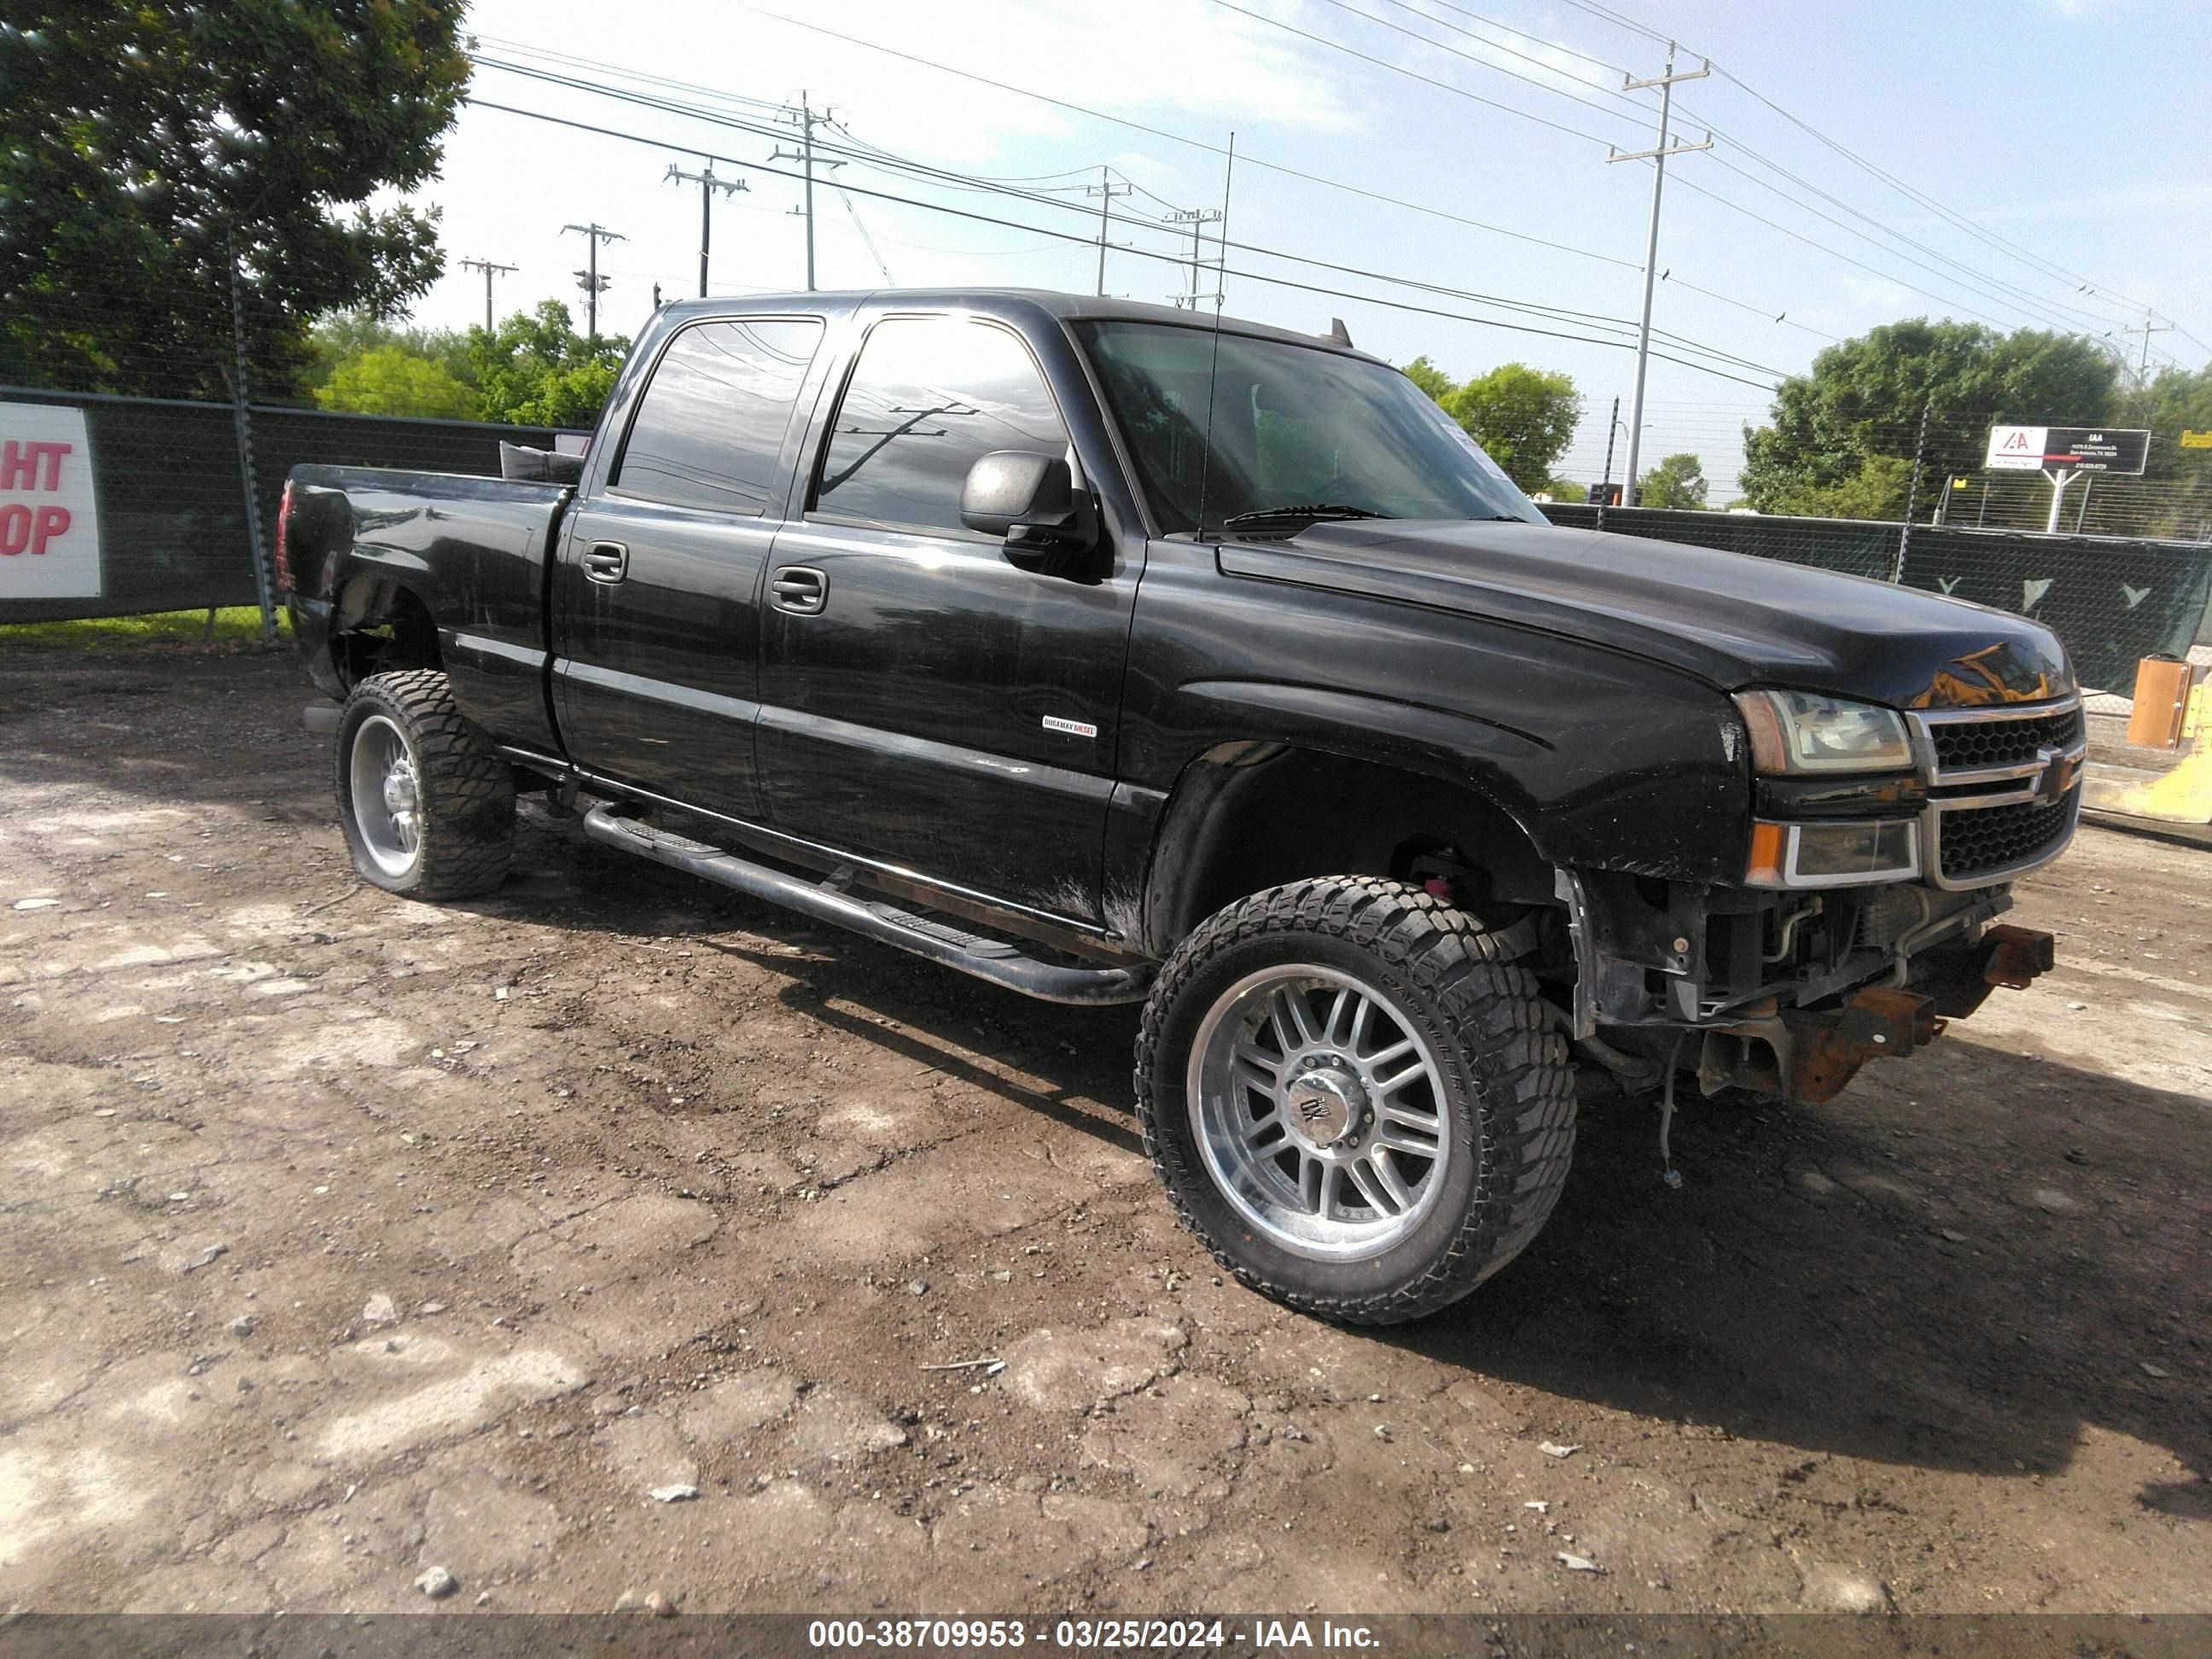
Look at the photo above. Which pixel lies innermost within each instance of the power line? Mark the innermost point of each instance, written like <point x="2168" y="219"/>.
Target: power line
<point x="2044" y="315"/>
<point x="1657" y="157"/>
<point x="1195" y="144"/>
<point x="2043" y="266"/>
<point x="1484" y="62"/>
<point x="2042" y="307"/>
<point x="1070" y="237"/>
<point x="1783" y="318"/>
<point x="886" y="159"/>
<point x="1920" y="199"/>
<point x="1617" y="20"/>
<point x="2043" y="310"/>
<point x="1611" y="69"/>
<point x="1413" y="75"/>
<point x="2021" y="300"/>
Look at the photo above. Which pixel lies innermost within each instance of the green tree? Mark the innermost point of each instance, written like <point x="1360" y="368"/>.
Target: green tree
<point x="1566" y="489"/>
<point x="2174" y="495"/>
<point x="1432" y="380"/>
<point x="1677" y="480"/>
<point x="537" y="371"/>
<point x="1876" y="490"/>
<point x="345" y="335"/>
<point x="142" y="144"/>
<point x="1863" y="400"/>
<point x="1524" y="418"/>
<point x="390" y="380"/>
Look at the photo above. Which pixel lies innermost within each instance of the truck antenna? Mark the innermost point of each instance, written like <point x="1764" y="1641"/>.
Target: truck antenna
<point x="1214" y="370"/>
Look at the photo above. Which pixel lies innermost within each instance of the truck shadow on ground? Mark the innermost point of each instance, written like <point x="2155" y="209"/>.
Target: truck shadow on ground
<point x="1875" y="1277"/>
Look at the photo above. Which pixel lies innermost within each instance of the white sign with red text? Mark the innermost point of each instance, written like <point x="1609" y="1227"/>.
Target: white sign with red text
<point x="49" y="521"/>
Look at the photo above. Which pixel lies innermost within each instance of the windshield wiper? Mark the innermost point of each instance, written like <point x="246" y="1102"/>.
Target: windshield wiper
<point x="1311" y="513"/>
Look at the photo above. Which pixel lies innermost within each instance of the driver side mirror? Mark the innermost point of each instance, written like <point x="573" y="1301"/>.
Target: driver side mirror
<point x="1031" y="500"/>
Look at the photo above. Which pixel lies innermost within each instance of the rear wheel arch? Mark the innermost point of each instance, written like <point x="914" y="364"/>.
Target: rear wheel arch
<point x="1249" y="815"/>
<point x="380" y="625"/>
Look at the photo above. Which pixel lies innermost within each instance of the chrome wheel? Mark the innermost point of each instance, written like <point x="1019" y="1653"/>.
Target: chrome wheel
<point x="387" y="796"/>
<point x="1320" y="1111"/>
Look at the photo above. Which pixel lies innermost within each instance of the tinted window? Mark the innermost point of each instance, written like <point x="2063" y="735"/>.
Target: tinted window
<point x="931" y="396"/>
<point x="712" y="418"/>
<point x="1290" y="424"/>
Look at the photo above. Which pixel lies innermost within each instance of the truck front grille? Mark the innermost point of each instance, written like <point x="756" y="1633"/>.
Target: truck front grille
<point x="2004" y="788"/>
<point x="1995" y="841"/>
<point x="1982" y="744"/>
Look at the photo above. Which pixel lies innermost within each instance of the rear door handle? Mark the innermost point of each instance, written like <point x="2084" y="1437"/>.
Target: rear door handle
<point x="800" y="589"/>
<point x="606" y="562"/>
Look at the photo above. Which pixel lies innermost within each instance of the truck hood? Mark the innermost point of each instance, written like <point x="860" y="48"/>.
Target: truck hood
<point x="1728" y="618"/>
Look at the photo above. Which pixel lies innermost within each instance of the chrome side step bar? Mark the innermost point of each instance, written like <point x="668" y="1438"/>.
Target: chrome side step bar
<point x="987" y="959"/>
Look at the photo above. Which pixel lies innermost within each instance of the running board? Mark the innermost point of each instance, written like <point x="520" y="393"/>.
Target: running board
<point x="925" y="936"/>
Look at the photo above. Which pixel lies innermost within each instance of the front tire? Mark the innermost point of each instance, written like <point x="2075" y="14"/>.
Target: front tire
<point x="1357" y="1102"/>
<point x="427" y="806"/>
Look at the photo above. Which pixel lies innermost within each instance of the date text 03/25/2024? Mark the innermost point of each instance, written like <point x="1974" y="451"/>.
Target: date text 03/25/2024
<point x="1258" y="1636"/>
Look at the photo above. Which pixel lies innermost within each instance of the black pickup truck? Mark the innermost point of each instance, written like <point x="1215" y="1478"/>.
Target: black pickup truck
<point x="1111" y="655"/>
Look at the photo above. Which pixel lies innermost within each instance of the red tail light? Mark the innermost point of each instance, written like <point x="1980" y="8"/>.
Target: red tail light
<point x="277" y="556"/>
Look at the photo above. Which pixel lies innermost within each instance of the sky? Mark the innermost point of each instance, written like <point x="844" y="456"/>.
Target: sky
<point x="2050" y="153"/>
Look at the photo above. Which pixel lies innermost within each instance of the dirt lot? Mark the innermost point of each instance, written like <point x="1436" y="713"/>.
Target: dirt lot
<point x="342" y="1238"/>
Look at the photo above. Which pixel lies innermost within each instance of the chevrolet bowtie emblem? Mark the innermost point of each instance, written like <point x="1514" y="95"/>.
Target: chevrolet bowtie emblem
<point x="2056" y="776"/>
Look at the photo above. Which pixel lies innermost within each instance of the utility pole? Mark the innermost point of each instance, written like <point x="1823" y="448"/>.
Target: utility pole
<point x="589" y="279"/>
<point x="709" y="183"/>
<point x="1197" y="219"/>
<point x="1657" y="157"/>
<point x="489" y="271"/>
<point x="241" y="419"/>
<point x="1912" y="494"/>
<point x="2146" y="328"/>
<point x="1605" y="486"/>
<point x="807" y="120"/>
<point x="1105" y="190"/>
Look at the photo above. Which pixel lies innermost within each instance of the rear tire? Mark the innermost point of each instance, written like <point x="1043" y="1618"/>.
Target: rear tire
<point x="427" y="806"/>
<point x="1366" y="1028"/>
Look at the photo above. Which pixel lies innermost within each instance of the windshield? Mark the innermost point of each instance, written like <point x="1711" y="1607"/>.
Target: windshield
<point x="1293" y="426"/>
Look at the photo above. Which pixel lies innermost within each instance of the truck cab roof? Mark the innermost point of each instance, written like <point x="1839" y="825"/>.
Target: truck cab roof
<point x="1003" y="302"/>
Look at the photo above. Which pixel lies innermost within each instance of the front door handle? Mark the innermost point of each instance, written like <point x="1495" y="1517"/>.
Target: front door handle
<point x="606" y="562"/>
<point x="800" y="589"/>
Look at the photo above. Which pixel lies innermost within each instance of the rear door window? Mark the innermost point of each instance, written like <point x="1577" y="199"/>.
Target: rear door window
<point x="709" y="430"/>
<point x="930" y="397"/>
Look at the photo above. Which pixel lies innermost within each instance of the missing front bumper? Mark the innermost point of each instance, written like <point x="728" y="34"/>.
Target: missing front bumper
<point x="1810" y="1057"/>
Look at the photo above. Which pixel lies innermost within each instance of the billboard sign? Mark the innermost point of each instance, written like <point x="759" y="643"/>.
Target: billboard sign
<point x="49" y="520"/>
<point x="2066" y="449"/>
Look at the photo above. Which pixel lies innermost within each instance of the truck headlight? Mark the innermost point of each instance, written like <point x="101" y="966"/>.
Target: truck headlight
<point x="1843" y="853"/>
<point x="1796" y="732"/>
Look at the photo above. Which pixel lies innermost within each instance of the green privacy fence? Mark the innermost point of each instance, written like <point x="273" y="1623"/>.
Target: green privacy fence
<point x="160" y="489"/>
<point x="2114" y="601"/>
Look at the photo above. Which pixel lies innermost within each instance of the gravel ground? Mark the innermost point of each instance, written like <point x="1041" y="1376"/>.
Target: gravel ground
<point x="612" y="1239"/>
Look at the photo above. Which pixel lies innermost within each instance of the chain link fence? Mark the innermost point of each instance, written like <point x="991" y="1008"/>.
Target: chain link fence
<point x="143" y="447"/>
<point x="1867" y="470"/>
<point x="169" y="488"/>
<point x="2112" y="600"/>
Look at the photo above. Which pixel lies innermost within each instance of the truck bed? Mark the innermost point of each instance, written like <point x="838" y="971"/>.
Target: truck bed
<point x="474" y="550"/>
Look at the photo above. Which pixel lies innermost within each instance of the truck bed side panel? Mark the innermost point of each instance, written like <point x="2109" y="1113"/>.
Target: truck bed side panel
<point x="475" y="552"/>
